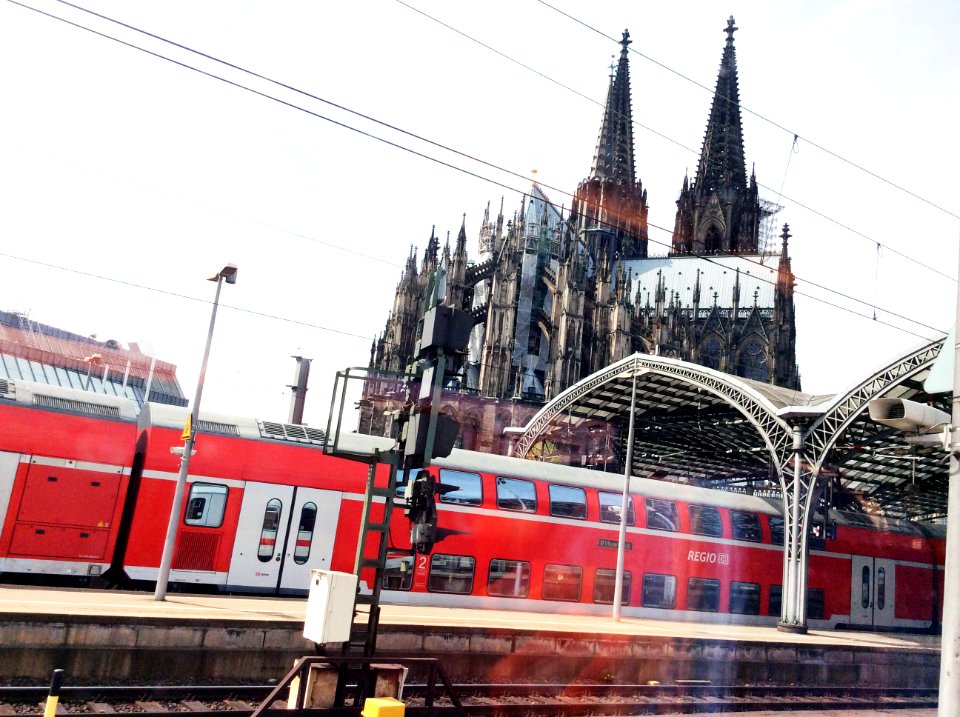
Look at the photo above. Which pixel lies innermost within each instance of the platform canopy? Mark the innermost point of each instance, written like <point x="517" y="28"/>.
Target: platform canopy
<point x="704" y="427"/>
<point x="878" y="469"/>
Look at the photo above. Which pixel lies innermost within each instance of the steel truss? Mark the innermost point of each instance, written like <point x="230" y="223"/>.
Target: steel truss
<point x="798" y="440"/>
<point x="784" y="443"/>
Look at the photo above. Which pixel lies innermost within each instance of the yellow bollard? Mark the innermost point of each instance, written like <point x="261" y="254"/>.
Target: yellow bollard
<point x="53" y="696"/>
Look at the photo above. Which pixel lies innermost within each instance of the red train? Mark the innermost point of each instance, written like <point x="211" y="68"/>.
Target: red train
<point x="86" y="484"/>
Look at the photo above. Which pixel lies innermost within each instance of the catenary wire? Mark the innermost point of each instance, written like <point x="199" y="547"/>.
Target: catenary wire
<point x="684" y="146"/>
<point x="167" y="292"/>
<point x="419" y="137"/>
<point x="759" y="116"/>
<point x="292" y="105"/>
<point x="466" y="155"/>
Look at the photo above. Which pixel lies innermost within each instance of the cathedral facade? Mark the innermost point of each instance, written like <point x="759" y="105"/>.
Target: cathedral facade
<point x="561" y="294"/>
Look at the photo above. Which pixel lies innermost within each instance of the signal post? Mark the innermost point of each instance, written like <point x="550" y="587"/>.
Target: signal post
<point x="422" y="433"/>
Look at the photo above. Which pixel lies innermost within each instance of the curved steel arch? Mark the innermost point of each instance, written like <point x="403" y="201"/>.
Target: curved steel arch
<point x="775" y="432"/>
<point x="824" y="432"/>
<point x="784" y="442"/>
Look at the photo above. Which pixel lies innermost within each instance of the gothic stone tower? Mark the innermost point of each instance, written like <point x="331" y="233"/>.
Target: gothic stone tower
<point x="560" y="295"/>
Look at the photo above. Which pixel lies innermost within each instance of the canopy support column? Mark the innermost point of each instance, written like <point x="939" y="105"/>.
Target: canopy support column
<point x="798" y="507"/>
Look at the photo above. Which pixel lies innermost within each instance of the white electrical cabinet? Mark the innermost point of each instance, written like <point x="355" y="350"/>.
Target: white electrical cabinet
<point x="330" y="606"/>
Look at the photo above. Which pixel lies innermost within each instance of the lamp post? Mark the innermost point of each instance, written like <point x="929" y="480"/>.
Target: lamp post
<point x="228" y="274"/>
<point x="625" y="504"/>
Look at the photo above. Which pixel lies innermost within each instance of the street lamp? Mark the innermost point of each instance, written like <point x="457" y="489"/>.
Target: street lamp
<point x="228" y="274"/>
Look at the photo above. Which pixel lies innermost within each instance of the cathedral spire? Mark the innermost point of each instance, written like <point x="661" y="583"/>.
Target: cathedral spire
<point x="722" y="163"/>
<point x="613" y="160"/>
<point x="719" y="212"/>
<point x="431" y="255"/>
<point x="785" y="278"/>
<point x="462" y="236"/>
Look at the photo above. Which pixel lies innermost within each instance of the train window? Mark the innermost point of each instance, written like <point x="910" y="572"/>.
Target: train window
<point x="815" y="604"/>
<point x="604" y="585"/>
<point x="268" y="532"/>
<point x="662" y="514"/>
<point x="611" y="505"/>
<point x="402" y="477"/>
<point x="659" y="591"/>
<point x="746" y="526"/>
<point x="705" y="521"/>
<point x="776" y="530"/>
<point x="562" y="582"/>
<point x="703" y="594"/>
<point x="205" y="505"/>
<point x="745" y="598"/>
<point x="508" y="578"/>
<point x="881" y="588"/>
<point x="308" y="520"/>
<point x="568" y="502"/>
<point x="468" y="492"/>
<point x="516" y="494"/>
<point x="451" y="574"/>
<point x="865" y="587"/>
<point x="398" y="573"/>
<point x="776" y="598"/>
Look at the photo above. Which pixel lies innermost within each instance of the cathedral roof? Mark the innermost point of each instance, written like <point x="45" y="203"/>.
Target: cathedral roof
<point x="717" y="275"/>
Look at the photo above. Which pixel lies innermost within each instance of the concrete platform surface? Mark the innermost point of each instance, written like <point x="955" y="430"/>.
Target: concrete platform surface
<point x="112" y="635"/>
<point x="185" y="607"/>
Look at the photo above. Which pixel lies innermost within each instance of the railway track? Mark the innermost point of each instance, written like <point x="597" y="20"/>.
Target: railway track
<point x="479" y="700"/>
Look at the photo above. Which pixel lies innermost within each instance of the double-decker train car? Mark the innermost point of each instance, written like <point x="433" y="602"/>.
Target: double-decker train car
<point x="534" y="536"/>
<point x="264" y="506"/>
<point x="65" y="464"/>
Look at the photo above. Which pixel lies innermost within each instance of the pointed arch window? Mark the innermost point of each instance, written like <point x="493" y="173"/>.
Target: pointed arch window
<point x="752" y="362"/>
<point x="713" y="240"/>
<point x="711" y="352"/>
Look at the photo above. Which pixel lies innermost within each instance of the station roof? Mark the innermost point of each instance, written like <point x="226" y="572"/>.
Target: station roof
<point x="878" y="469"/>
<point x="700" y="426"/>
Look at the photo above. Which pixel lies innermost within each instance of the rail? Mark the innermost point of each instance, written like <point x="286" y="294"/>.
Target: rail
<point x="476" y="700"/>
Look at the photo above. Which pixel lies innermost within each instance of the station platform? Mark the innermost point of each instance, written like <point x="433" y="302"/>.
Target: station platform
<point x="98" y="635"/>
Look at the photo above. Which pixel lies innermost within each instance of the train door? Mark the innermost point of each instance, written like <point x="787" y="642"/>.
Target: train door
<point x="9" y="462"/>
<point x="310" y="538"/>
<point x="872" y="591"/>
<point x="282" y="533"/>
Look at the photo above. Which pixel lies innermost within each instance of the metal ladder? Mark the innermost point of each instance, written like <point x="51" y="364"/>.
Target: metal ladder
<point x="366" y="610"/>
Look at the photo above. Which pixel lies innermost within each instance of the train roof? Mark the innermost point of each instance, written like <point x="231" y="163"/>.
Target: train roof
<point x="583" y="477"/>
<point x="888" y="524"/>
<point x="166" y="416"/>
<point x="67" y="400"/>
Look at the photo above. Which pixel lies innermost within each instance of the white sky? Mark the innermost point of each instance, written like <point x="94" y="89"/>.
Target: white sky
<point x="126" y="180"/>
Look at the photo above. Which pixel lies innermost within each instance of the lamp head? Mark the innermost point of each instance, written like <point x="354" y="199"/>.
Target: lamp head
<point x="227" y="273"/>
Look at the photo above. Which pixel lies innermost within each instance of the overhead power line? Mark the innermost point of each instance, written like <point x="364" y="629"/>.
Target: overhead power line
<point x="167" y="292"/>
<point x="464" y="154"/>
<point x="769" y="121"/>
<point x="295" y="106"/>
<point x="636" y="123"/>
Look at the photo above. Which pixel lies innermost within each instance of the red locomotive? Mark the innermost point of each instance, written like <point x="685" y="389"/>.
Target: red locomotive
<point x="86" y="483"/>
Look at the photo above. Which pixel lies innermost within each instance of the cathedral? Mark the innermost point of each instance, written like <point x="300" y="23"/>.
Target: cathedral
<point x="559" y="294"/>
